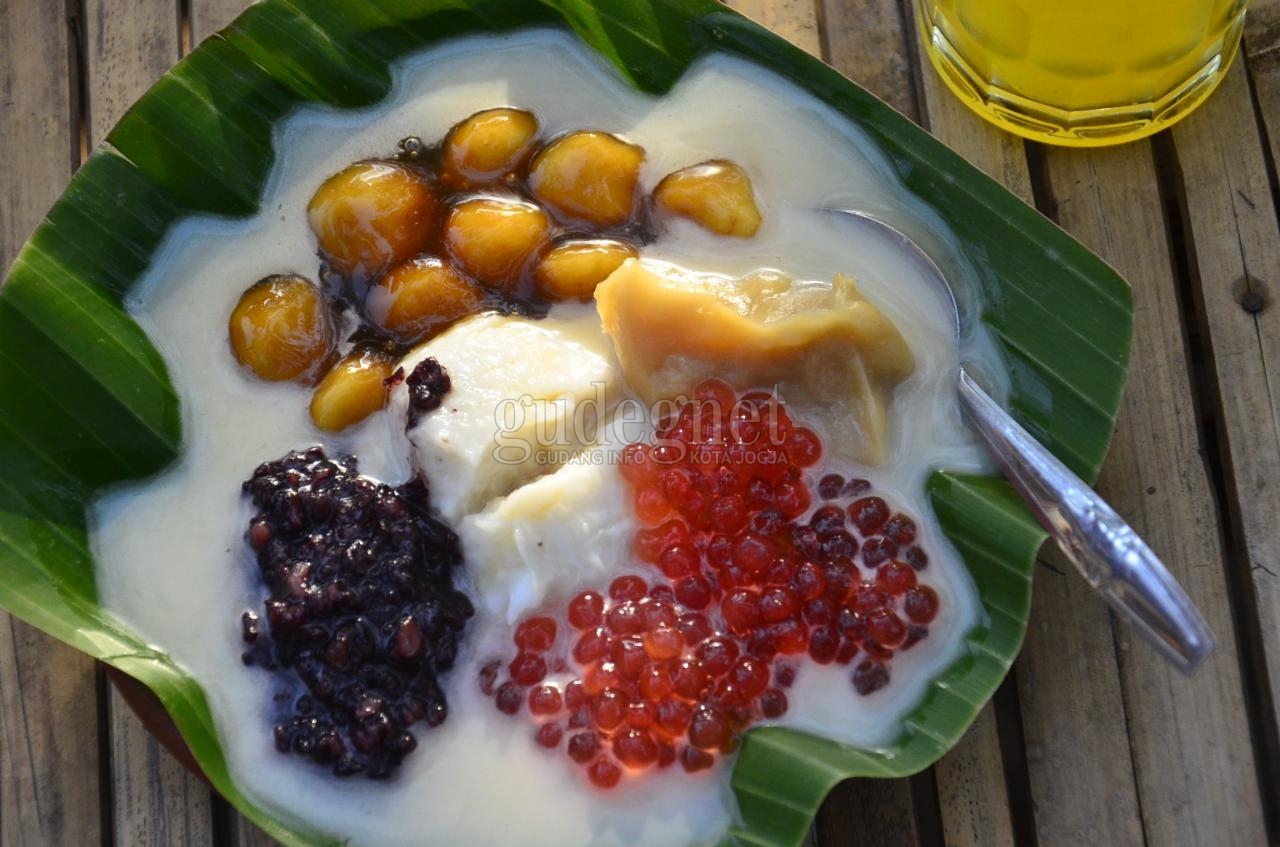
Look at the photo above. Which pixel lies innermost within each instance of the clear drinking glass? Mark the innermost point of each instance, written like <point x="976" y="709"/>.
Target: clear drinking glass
<point x="1081" y="72"/>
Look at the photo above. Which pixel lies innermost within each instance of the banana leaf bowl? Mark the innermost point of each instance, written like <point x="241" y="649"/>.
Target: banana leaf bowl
<point x="86" y="400"/>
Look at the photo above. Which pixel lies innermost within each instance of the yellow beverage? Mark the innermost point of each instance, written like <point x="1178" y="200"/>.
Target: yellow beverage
<point x="1081" y="72"/>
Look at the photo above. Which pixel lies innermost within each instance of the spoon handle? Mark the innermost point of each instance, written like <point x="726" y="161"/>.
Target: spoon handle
<point x="1105" y="549"/>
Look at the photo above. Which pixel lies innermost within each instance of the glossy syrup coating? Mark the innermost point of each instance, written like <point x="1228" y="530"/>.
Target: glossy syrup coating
<point x="372" y="215"/>
<point x="588" y="176"/>
<point x="418" y="298"/>
<point x="281" y="328"/>
<point x="488" y="145"/>
<point x="352" y="390"/>
<point x="717" y="195"/>
<point x="492" y="238"/>
<point x="572" y="269"/>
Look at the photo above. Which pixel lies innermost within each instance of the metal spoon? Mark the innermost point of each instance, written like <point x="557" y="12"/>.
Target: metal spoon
<point x="1107" y="552"/>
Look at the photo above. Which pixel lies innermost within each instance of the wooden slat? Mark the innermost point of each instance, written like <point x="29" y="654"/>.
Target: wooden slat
<point x="794" y="20"/>
<point x="1232" y="224"/>
<point x="209" y="16"/>
<point x="1189" y="738"/>
<point x="868" y="813"/>
<point x="866" y="40"/>
<point x="128" y="44"/>
<point x="49" y="782"/>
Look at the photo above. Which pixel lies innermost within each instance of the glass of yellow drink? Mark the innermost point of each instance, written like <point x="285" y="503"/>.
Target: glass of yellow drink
<point x="1081" y="72"/>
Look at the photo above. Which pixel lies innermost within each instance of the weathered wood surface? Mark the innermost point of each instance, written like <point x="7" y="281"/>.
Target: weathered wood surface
<point x="1093" y="741"/>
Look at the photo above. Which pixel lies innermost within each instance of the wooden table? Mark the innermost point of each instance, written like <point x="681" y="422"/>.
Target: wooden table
<point x="1092" y="739"/>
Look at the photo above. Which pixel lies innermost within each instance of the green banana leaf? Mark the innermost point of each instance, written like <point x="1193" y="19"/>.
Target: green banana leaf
<point x="85" y="400"/>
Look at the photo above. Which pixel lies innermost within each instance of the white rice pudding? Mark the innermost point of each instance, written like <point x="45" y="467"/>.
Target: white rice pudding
<point x="172" y="563"/>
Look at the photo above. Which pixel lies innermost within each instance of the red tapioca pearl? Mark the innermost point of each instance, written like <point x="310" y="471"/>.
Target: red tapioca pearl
<point x="637" y="466"/>
<point x="805" y="542"/>
<point x="761" y="644"/>
<point x="784" y="674"/>
<point x="641" y="714"/>
<point x="678" y="483"/>
<point x="694" y="627"/>
<point x="655" y="682"/>
<point x="673" y="717"/>
<point x="725" y="695"/>
<point x="875" y="650"/>
<point x="693" y="592"/>
<point x="625" y="619"/>
<point x="804" y="448"/>
<point x="586" y="610"/>
<point x="869" y="514"/>
<point x="693" y="760"/>
<point x="545" y="700"/>
<point x="841" y="581"/>
<point x="750" y="676"/>
<point x="824" y="643"/>
<point x="583" y="746"/>
<point x="900" y="529"/>
<point x="604" y="773"/>
<point x="792" y="499"/>
<point x="733" y="577"/>
<point x="855" y="487"/>
<point x="689" y="679"/>
<point x="896" y="578"/>
<point x="728" y="514"/>
<point x="509" y="698"/>
<point x="575" y="697"/>
<point x="662" y="592"/>
<point x="887" y="629"/>
<point x="847" y="651"/>
<point x="628" y="588"/>
<point x="760" y="494"/>
<point x="696" y="510"/>
<point x="829" y="486"/>
<point x="726" y="482"/>
<point x="876" y="551"/>
<point x="808" y="582"/>
<point x="778" y="604"/>
<point x="536" y="634"/>
<point x="548" y="735"/>
<point x="916" y="558"/>
<point x="781" y="572"/>
<point x="676" y="562"/>
<point x="771" y="466"/>
<point x="837" y="547"/>
<point x="527" y="668"/>
<point x="869" y="677"/>
<point x="851" y="624"/>
<point x="650" y="505"/>
<point x="718" y="394"/>
<point x="650" y="542"/>
<point x="609" y="710"/>
<point x="827" y="520"/>
<point x="920" y="604"/>
<point x="915" y="634"/>
<point x="753" y="553"/>
<point x="580" y="718"/>
<point x="773" y="704"/>
<point x="635" y="749"/>
<point x="656" y="612"/>
<point x="598" y="678"/>
<point x="489" y="677"/>
<point x="719" y="551"/>
<point x="717" y="655"/>
<point x="820" y="611"/>
<point x="709" y="729"/>
<point x="663" y="643"/>
<point x="867" y="599"/>
<point x="768" y="522"/>
<point x="666" y="754"/>
<point x="629" y="657"/>
<point x="592" y="646"/>
<point x="740" y="610"/>
<point x="790" y="636"/>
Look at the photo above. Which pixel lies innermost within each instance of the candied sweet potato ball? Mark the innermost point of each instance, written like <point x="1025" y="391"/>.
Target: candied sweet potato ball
<point x="716" y="195"/>
<point x="491" y="238"/>
<point x="420" y="297"/>
<point x="589" y="176"/>
<point x="371" y="216"/>
<point x="488" y="145"/>
<point x="351" y="391"/>
<point x="281" y="328"/>
<point x="572" y="269"/>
